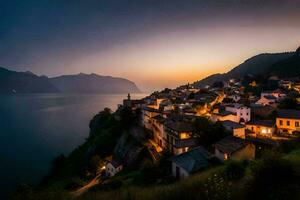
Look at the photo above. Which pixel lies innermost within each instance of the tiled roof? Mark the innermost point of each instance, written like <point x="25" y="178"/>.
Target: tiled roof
<point x="270" y="97"/>
<point x="190" y="142"/>
<point x="232" y="124"/>
<point x="180" y="126"/>
<point x="193" y="160"/>
<point x="224" y="113"/>
<point x="289" y="114"/>
<point x="230" y="144"/>
<point x="266" y="123"/>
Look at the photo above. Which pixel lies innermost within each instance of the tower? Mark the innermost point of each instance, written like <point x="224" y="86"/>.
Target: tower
<point x="128" y="96"/>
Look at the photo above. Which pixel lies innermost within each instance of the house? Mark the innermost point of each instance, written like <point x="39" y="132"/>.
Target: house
<point x="243" y="113"/>
<point x="276" y="93"/>
<point x="234" y="148"/>
<point x="234" y="97"/>
<point x="159" y="134"/>
<point x="288" y="121"/>
<point x="180" y="137"/>
<point x="133" y="103"/>
<point x="113" y="167"/>
<point x="261" y="110"/>
<point x="267" y="100"/>
<point x="263" y="128"/>
<point x="285" y="84"/>
<point x="271" y="97"/>
<point x="190" y="162"/>
<point x="223" y="116"/>
<point x="233" y="112"/>
<point x="147" y="114"/>
<point x="237" y="129"/>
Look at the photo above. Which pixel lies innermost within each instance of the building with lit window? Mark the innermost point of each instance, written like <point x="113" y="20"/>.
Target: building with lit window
<point x="180" y="136"/>
<point x="263" y="128"/>
<point x="288" y="121"/>
<point x="234" y="148"/>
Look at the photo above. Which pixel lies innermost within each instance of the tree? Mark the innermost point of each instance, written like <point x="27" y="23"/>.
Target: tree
<point x="273" y="177"/>
<point x="289" y="103"/>
<point x="218" y="84"/>
<point x="95" y="164"/>
<point x="208" y="131"/>
<point x="128" y="118"/>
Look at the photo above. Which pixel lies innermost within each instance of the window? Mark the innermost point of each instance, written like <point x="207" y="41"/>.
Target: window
<point x="287" y="123"/>
<point x="297" y="124"/>
<point x="281" y="122"/>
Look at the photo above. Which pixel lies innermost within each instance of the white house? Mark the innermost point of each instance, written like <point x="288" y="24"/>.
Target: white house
<point x="271" y="97"/>
<point x="233" y="112"/>
<point x="267" y="100"/>
<point x="243" y="113"/>
<point x="113" y="167"/>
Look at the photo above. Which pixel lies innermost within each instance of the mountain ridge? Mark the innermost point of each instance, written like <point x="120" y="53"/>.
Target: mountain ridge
<point x="258" y="64"/>
<point x="28" y="82"/>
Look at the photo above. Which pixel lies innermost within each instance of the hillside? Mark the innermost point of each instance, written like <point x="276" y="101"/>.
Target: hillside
<point x="256" y="65"/>
<point x="289" y="67"/>
<point x="93" y="83"/>
<point x="24" y="82"/>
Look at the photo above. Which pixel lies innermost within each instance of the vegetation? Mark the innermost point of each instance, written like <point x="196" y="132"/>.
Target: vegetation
<point x="208" y="131"/>
<point x="289" y="103"/>
<point x="73" y="171"/>
<point x="273" y="176"/>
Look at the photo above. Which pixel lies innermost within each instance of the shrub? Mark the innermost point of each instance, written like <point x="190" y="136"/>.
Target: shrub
<point x="272" y="177"/>
<point x="234" y="170"/>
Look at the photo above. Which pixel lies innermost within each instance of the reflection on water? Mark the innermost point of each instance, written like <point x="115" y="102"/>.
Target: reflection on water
<point x="36" y="128"/>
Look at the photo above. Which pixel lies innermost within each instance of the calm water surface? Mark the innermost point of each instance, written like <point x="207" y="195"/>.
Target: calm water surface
<point x="36" y="128"/>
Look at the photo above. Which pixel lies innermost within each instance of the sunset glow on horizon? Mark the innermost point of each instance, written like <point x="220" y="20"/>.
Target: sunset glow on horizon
<point x="155" y="44"/>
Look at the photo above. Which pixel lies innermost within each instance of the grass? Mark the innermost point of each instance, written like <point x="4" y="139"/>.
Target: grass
<point x="195" y="187"/>
<point x="294" y="158"/>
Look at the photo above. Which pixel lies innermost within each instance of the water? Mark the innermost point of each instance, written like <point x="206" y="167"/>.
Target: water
<point x="36" y="128"/>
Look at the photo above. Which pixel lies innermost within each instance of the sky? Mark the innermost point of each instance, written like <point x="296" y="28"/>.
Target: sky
<point x="155" y="43"/>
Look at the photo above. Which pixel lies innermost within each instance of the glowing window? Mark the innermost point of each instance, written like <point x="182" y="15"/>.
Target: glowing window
<point x="225" y="156"/>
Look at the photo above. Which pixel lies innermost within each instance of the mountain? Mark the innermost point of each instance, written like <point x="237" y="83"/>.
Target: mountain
<point x="24" y="82"/>
<point x="27" y="82"/>
<point x="93" y="83"/>
<point x="287" y="68"/>
<point x="258" y="64"/>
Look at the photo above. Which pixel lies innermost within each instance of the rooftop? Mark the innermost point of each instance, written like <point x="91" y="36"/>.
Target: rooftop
<point x="289" y="114"/>
<point x="266" y="123"/>
<point x="230" y="144"/>
<point x="190" y="142"/>
<point x="270" y="97"/>
<point x="193" y="160"/>
<point x="180" y="126"/>
<point x="232" y="124"/>
<point x="224" y="113"/>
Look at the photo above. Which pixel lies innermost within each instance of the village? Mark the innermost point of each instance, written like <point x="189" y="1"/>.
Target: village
<point x="251" y="121"/>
